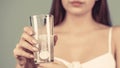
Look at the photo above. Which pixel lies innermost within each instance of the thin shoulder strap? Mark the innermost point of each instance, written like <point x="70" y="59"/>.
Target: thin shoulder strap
<point x="110" y="40"/>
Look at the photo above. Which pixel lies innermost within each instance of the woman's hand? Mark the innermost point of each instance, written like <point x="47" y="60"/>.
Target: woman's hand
<point x="26" y="46"/>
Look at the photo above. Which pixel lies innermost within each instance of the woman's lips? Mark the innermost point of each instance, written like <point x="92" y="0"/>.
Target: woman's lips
<point x="76" y="3"/>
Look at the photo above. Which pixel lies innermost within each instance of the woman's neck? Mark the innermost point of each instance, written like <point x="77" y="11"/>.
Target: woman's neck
<point x="78" y="20"/>
<point x="74" y="23"/>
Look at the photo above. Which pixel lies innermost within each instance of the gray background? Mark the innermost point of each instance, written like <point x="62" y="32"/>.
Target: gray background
<point x="14" y="15"/>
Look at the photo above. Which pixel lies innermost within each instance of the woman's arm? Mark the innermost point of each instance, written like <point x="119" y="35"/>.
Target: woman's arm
<point x="116" y="37"/>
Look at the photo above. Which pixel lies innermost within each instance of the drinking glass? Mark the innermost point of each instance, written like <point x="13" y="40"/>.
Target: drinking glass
<point x="43" y="27"/>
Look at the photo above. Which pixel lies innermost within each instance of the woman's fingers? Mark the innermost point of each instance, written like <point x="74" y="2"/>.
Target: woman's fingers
<point x="20" y="52"/>
<point x="28" y="38"/>
<point x="29" y="30"/>
<point x="25" y="45"/>
<point x="55" y="39"/>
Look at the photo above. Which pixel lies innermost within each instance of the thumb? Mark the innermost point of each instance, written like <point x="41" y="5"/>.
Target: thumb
<point x="55" y="39"/>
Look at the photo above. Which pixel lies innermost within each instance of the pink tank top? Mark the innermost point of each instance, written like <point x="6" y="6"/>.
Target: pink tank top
<point x="104" y="61"/>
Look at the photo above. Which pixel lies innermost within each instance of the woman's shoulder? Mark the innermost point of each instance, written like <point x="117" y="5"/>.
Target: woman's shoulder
<point x="116" y="39"/>
<point x="116" y="35"/>
<point x="116" y="31"/>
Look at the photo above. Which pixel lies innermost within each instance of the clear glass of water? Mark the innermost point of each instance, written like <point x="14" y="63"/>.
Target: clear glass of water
<point x="43" y="27"/>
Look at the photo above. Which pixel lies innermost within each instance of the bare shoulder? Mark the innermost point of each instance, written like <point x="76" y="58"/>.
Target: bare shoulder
<point x="116" y="40"/>
<point x="116" y="34"/>
<point x="116" y="28"/>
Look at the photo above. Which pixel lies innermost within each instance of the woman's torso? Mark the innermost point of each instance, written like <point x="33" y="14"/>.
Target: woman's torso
<point x="84" y="47"/>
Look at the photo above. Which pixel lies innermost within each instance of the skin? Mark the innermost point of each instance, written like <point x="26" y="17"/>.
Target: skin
<point x="76" y="42"/>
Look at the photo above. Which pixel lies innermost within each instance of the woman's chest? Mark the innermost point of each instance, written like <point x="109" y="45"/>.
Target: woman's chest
<point x="80" y="47"/>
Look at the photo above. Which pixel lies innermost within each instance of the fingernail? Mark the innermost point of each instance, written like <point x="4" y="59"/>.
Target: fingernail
<point x="31" y="56"/>
<point x="31" y="32"/>
<point x="35" y="49"/>
<point x="34" y="41"/>
<point x="54" y="35"/>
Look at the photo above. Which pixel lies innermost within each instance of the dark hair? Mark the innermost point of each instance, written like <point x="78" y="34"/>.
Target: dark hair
<point x="100" y="12"/>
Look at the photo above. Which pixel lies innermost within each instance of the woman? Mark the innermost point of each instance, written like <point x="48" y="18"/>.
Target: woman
<point x="85" y="38"/>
